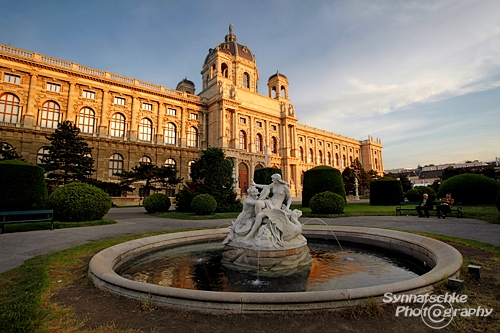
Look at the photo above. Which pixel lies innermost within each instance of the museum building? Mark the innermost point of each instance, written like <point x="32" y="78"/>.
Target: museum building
<point x="127" y="121"/>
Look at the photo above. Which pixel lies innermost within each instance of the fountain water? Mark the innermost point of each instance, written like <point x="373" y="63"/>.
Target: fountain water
<point x="270" y="240"/>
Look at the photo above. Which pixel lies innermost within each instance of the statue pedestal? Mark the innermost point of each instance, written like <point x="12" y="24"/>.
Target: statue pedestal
<point x="286" y="260"/>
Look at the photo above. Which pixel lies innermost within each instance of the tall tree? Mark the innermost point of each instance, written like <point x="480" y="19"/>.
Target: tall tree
<point x="212" y="173"/>
<point x="69" y="157"/>
<point x="154" y="178"/>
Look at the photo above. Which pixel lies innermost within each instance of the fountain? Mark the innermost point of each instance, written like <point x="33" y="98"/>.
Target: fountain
<point x="267" y="238"/>
<point x="267" y="235"/>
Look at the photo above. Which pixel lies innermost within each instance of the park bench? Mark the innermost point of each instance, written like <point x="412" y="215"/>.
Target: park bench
<point x="410" y="205"/>
<point x="27" y="216"/>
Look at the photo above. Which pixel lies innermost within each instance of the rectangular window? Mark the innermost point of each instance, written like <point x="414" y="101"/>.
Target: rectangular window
<point x="147" y="106"/>
<point x="273" y="127"/>
<point x="193" y="116"/>
<point x="171" y="112"/>
<point x="243" y="120"/>
<point x="119" y="100"/>
<point x="11" y="78"/>
<point x="258" y="124"/>
<point x="53" y="87"/>
<point x="88" y="94"/>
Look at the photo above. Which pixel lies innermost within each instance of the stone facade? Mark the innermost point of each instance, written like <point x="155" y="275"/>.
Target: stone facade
<point x="128" y="121"/>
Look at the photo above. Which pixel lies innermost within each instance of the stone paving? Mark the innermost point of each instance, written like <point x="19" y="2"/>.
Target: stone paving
<point x="20" y="246"/>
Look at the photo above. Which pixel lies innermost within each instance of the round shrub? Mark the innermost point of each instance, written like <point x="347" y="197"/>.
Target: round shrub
<point x="22" y="186"/>
<point x="321" y="179"/>
<point x="470" y="189"/>
<point x="416" y="193"/>
<point x="327" y="203"/>
<point x="156" y="202"/>
<point x="77" y="202"/>
<point x="385" y="192"/>
<point x="203" y="204"/>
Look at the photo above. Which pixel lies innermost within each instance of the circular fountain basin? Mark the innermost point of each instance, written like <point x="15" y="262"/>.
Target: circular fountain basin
<point x="444" y="260"/>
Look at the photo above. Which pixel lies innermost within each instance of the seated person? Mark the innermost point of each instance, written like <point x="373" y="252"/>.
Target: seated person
<point x="445" y="206"/>
<point x="425" y="205"/>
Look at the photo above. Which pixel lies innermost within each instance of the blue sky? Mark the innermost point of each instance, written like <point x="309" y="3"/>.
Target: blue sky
<point x="424" y="76"/>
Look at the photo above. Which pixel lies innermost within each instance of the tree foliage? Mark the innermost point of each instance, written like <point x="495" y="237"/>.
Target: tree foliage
<point x="69" y="157"/>
<point x="211" y="174"/>
<point x="320" y="179"/>
<point x="7" y="152"/>
<point x="356" y="170"/>
<point x="155" y="178"/>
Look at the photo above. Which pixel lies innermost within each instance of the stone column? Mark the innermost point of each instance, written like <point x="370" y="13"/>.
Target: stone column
<point x="29" y="116"/>
<point x="136" y="104"/>
<point x="103" y="119"/>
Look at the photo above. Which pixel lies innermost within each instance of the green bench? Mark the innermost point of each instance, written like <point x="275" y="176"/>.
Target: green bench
<point x="27" y="216"/>
<point x="410" y="205"/>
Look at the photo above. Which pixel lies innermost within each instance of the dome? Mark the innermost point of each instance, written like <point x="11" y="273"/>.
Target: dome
<point x="276" y="75"/>
<point x="231" y="47"/>
<point x="187" y="86"/>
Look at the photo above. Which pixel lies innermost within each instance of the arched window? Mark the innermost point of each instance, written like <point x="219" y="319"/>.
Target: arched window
<point x="145" y="160"/>
<point x="274" y="145"/>
<point x="224" y="70"/>
<point x="344" y="162"/>
<point x="115" y="164"/>
<point x="283" y="92"/>
<point x="243" y="140"/>
<point x="258" y="143"/>
<point x="117" y="125"/>
<point x="192" y="137"/>
<point x="328" y="158"/>
<point x="301" y="154"/>
<point x="336" y="159"/>
<point x="170" y="162"/>
<point x="258" y="166"/>
<point x="50" y="115"/>
<point x="246" y="80"/>
<point x="376" y="164"/>
<point x="146" y="130"/>
<point x="320" y="155"/>
<point x="311" y="156"/>
<point x="170" y="134"/>
<point x="190" y="164"/>
<point x="212" y="71"/>
<point x="273" y="92"/>
<point x="9" y="108"/>
<point x="350" y="160"/>
<point x="86" y="120"/>
<point x="42" y="152"/>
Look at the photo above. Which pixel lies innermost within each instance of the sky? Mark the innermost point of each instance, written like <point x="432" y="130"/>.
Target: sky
<point x="423" y="76"/>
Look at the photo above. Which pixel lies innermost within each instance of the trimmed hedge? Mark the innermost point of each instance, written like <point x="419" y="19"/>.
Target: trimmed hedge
<point x="263" y="176"/>
<point x="386" y="192"/>
<point x="321" y="179"/>
<point x="157" y="202"/>
<point x="416" y="193"/>
<point x="22" y="186"/>
<point x="203" y="204"/>
<point x="327" y="203"/>
<point x="470" y="189"/>
<point x="77" y="202"/>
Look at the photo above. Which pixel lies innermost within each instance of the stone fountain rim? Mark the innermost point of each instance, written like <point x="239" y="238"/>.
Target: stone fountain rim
<point x="447" y="259"/>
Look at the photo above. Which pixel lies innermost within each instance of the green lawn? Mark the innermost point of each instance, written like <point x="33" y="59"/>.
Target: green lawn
<point x="488" y="213"/>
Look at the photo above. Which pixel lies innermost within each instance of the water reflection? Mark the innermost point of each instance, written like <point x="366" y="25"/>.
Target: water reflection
<point x="199" y="267"/>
